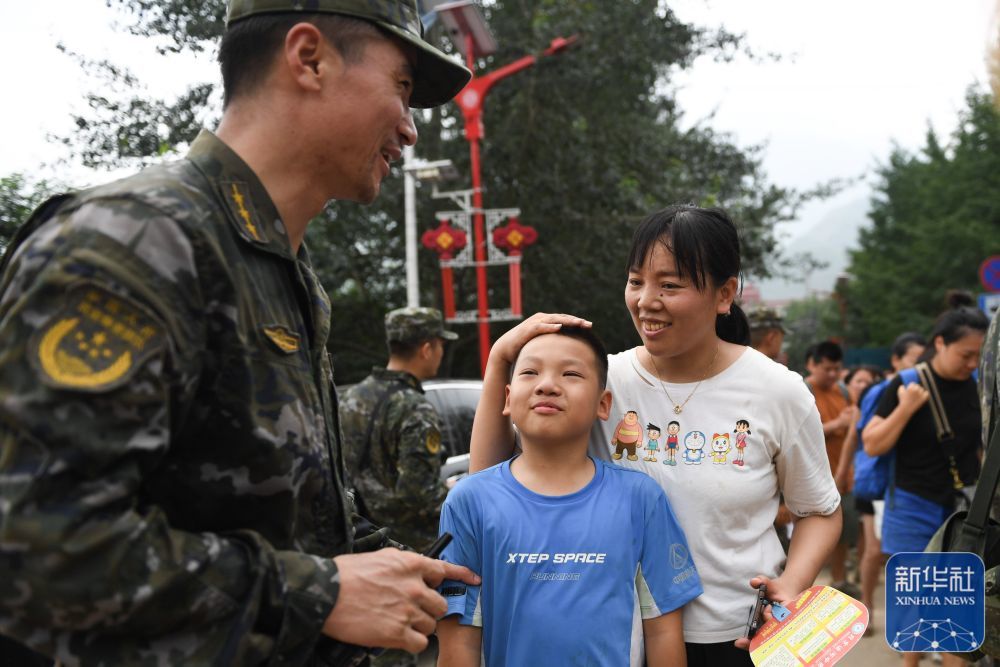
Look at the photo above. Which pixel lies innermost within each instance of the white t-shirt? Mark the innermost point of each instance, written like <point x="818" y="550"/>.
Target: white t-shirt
<point x="726" y="509"/>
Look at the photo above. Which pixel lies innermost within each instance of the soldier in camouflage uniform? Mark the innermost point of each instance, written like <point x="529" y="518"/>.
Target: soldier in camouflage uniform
<point x="767" y="332"/>
<point x="171" y="477"/>
<point x="392" y="437"/>
<point x="989" y="402"/>
<point x="392" y="434"/>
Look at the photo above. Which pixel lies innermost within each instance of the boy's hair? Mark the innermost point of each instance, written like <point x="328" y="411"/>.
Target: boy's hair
<point x="827" y="350"/>
<point x="653" y="427"/>
<point x="588" y="336"/>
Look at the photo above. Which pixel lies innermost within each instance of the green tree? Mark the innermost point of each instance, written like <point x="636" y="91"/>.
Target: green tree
<point x="935" y="217"/>
<point x="585" y="144"/>
<point x="18" y="197"/>
<point x="809" y="321"/>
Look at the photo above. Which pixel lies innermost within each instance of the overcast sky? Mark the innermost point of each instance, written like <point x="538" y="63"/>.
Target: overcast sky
<point x="857" y="76"/>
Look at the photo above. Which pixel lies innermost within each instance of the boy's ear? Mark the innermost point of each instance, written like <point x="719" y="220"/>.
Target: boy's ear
<point x="604" y="406"/>
<point x="506" y="401"/>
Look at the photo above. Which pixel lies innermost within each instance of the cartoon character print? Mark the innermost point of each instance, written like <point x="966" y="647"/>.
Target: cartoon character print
<point x="741" y="433"/>
<point x="694" y="447"/>
<point x="671" y="447"/>
<point x="652" y="442"/>
<point x="626" y="436"/>
<point x="720" y="447"/>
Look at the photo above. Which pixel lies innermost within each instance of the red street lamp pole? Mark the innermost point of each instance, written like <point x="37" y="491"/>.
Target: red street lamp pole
<point x="470" y="101"/>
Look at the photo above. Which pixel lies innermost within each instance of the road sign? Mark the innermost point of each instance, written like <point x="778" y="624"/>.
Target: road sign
<point x="989" y="273"/>
<point x="989" y="303"/>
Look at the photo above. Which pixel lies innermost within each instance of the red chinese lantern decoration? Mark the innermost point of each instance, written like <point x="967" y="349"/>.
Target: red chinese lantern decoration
<point x="446" y="241"/>
<point x="514" y="237"/>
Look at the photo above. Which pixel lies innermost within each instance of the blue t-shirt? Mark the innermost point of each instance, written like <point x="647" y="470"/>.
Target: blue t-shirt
<point x="563" y="576"/>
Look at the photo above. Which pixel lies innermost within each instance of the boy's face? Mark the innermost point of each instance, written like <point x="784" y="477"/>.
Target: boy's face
<point x="554" y="392"/>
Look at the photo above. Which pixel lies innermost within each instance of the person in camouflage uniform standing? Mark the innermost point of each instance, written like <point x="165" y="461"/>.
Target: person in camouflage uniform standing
<point x="392" y="438"/>
<point x="171" y="476"/>
<point x="989" y="403"/>
<point x="392" y="434"/>
<point x="767" y="331"/>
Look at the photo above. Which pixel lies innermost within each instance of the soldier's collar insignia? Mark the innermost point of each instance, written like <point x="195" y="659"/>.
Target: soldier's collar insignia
<point x="283" y="338"/>
<point x="95" y="343"/>
<point x="240" y="204"/>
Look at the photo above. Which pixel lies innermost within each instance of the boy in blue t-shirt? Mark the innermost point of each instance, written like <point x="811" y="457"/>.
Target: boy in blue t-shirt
<point x="573" y="552"/>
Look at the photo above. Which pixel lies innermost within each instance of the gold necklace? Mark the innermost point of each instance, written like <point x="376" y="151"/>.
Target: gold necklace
<point x="680" y="408"/>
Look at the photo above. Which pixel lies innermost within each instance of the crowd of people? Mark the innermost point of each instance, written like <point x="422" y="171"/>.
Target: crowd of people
<point x="180" y="483"/>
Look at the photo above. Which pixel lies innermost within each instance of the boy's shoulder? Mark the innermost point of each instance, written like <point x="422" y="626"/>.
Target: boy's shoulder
<point x="477" y="482"/>
<point x="629" y="478"/>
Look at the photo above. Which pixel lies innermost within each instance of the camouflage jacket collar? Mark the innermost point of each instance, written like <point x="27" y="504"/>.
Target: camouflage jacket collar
<point x="249" y="208"/>
<point x="406" y="378"/>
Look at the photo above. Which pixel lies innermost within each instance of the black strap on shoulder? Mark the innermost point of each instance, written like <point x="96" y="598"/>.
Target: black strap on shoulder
<point x="40" y="215"/>
<point x="973" y="534"/>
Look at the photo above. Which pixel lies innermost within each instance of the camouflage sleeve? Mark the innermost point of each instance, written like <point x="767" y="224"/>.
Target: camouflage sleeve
<point x="100" y="341"/>
<point x="419" y="491"/>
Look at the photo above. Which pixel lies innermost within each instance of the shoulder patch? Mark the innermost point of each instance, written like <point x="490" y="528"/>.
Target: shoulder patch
<point x="434" y="441"/>
<point x="95" y="342"/>
<point x="282" y="337"/>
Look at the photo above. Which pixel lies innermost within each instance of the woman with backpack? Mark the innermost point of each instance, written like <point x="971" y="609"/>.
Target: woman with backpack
<point x="933" y="427"/>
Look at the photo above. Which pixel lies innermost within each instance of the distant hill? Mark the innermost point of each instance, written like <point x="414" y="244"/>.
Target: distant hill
<point x="829" y="239"/>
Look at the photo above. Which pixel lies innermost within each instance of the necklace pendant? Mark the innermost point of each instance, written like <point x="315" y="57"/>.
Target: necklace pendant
<point x="678" y="409"/>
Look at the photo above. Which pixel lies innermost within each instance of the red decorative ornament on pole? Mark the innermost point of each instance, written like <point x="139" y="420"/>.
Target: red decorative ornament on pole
<point x="513" y="237"/>
<point x="446" y="241"/>
<point x="471" y="101"/>
<point x="471" y="36"/>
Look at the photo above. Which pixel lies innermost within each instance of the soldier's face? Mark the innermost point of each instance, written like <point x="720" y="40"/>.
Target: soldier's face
<point x="369" y="121"/>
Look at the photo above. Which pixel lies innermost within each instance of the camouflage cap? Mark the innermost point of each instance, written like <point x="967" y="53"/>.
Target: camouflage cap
<point x="408" y="325"/>
<point x="438" y="77"/>
<point x="763" y="317"/>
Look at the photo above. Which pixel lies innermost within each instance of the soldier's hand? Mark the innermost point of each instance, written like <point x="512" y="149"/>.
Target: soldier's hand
<point x="387" y="598"/>
<point x="507" y="347"/>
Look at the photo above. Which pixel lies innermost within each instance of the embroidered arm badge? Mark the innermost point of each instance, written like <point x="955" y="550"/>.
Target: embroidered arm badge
<point x="95" y="342"/>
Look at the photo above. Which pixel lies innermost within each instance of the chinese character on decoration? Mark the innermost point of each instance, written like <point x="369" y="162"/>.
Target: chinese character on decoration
<point x="445" y="240"/>
<point x="514" y="236"/>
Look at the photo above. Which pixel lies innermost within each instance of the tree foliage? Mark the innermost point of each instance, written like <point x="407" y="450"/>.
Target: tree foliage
<point x="585" y="143"/>
<point x="19" y="195"/>
<point x="935" y="218"/>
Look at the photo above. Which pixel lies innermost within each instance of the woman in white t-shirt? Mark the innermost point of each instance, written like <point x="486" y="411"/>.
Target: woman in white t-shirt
<point x="746" y="428"/>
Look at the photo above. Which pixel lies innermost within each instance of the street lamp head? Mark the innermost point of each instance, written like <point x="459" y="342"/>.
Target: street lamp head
<point x="464" y="21"/>
<point x="438" y="171"/>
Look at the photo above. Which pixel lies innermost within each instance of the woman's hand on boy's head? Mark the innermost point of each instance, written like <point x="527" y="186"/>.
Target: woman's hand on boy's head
<point x="509" y="345"/>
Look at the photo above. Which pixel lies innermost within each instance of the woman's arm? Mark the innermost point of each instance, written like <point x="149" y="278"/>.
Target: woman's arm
<point x="813" y="540"/>
<point x="881" y="433"/>
<point x="664" y="640"/>
<point x="492" y="435"/>
<point x="459" y="645"/>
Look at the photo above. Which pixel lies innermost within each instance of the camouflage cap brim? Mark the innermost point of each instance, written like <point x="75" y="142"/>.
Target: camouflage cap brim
<point x="439" y="76"/>
<point x="449" y="335"/>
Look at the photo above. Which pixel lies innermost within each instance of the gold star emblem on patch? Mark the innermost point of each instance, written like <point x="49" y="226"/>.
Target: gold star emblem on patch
<point x="95" y="342"/>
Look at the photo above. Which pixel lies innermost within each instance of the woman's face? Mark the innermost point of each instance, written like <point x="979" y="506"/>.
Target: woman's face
<point x="861" y="380"/>
<point x="671" y="315"/>
<point x="957" y="360"/>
